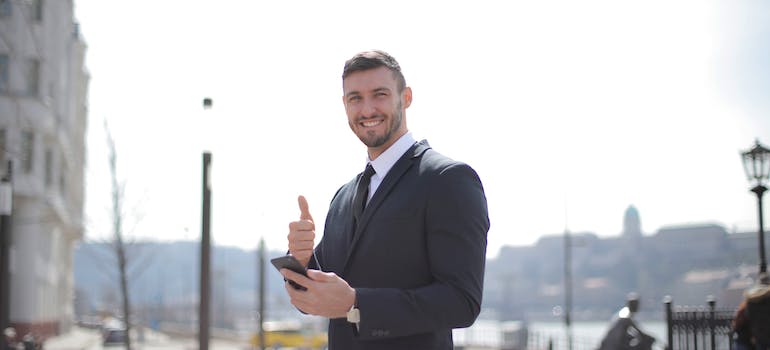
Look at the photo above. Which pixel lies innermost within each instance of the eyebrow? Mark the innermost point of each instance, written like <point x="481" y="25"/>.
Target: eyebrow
<point x="379" y="89"/>
<point x="352" y="93"/>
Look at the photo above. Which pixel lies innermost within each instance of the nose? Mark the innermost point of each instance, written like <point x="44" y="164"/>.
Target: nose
<point x="368" y="109"/>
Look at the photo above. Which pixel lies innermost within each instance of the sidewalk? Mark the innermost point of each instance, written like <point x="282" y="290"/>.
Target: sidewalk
<point x="90" y="339"/>
<point x="76" y="339"/>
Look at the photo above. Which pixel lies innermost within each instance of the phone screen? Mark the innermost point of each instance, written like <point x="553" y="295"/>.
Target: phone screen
<point x="291" y="263"/>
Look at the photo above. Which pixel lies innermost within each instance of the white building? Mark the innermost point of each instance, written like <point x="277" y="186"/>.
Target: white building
<point x="43" y="88"/>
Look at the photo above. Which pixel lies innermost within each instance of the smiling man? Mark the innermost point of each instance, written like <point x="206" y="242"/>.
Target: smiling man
<point x="401" y="262"/>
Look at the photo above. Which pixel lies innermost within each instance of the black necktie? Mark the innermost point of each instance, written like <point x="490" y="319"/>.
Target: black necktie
<point x="362" y="192"/>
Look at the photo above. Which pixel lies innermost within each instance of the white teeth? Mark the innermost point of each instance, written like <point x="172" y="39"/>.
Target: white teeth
<point x="371" y="123"/>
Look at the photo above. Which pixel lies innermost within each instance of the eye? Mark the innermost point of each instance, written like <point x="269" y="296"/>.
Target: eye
<point x="354" y="98"/>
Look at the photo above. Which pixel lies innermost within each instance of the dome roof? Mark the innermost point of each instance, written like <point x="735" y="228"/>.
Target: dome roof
<point x="632" y="225"/>
<point x="632" y="212"/>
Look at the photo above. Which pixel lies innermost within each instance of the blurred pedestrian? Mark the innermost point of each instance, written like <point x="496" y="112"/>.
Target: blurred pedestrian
<point x="625" y="334"/>
<point x="9" y="339"/>
<point x="29" y="342"/>
<point x="741" y="329"/>
<point x="758" y="313"/>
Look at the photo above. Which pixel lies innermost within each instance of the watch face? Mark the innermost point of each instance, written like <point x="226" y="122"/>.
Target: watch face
<point x="354" y="316"/>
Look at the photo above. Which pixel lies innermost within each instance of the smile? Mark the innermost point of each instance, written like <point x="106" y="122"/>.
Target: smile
<point x="371" y="123"/>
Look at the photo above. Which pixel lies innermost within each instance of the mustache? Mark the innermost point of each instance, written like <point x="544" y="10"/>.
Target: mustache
<point x="374" y="116"/>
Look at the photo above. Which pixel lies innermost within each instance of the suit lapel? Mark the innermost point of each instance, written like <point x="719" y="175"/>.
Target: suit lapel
<point x="391" y="179"/>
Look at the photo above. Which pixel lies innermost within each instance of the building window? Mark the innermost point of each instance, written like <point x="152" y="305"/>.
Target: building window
<point x="37" y="10"/>
<point x="5" y="8"/>
<point x="2" y="149"/>
<point x="32" y="77"/>
<point x="4" y="81"/>
<point x="62" y="182"/>
<point x="27" y="149"/>
<point x="48" y="168"/>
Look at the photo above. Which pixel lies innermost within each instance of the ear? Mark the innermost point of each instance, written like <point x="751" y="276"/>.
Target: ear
<point x="406" y="95"/>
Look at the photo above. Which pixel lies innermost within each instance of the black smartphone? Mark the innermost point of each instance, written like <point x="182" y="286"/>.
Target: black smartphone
<point x="291" y="263"/>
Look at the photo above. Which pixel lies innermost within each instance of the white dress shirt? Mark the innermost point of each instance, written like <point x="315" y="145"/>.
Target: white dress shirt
<point x="387" y="159"/>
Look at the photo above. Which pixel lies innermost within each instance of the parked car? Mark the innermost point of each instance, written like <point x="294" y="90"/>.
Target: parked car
<point x="279" y="334"/>
<point x="113" y="332"/>
<point x="113" y="336"/>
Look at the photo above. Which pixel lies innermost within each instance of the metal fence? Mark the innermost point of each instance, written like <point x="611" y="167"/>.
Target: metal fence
<point x="540" y="341"/>
<point x="698" y="327"/>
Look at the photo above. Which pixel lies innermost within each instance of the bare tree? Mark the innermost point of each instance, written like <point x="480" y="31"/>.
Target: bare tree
<point x="117" y="230"/>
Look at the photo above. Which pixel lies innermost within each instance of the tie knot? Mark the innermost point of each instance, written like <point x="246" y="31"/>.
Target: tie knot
<point x="362" y="193"/>
<point x="369" y="171"/>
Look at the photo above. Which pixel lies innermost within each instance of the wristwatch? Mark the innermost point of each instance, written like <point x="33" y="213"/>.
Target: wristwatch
<point x="354" y="316"/>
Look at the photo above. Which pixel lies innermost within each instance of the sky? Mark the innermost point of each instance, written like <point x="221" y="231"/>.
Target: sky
<point x="570" y="111"/>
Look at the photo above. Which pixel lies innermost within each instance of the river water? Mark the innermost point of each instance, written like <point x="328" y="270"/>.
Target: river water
<point x="585" y="335"/>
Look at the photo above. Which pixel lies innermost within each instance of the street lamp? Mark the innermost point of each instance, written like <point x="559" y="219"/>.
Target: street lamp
<point x="568" y="287"/>
<point x="261" y="255"/>
<point x="6" y="201"/>
<point x="205" y="279"/>
<point x="756" y="163"/>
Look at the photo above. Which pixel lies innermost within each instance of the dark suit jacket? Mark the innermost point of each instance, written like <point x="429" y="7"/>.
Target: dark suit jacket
<point x="417" y="257"/>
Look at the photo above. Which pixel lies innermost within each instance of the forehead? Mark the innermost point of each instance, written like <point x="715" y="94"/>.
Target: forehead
<point x="370" y="79"/>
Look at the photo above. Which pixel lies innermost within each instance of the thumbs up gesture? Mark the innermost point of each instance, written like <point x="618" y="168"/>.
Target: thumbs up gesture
<point x="302" y="233"/>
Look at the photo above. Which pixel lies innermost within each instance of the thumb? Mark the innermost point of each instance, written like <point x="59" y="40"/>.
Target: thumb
<point x="304" y="211"/>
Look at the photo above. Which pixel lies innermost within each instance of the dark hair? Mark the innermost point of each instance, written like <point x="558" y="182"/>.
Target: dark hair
<point x="367" y="60"/>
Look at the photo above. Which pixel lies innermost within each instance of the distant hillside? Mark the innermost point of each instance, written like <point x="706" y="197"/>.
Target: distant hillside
<point x="687" y="262"/>
<point x="167" y="273"/>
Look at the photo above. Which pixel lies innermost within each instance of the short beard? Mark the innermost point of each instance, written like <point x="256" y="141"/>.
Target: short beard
<point x="398" y="117"/>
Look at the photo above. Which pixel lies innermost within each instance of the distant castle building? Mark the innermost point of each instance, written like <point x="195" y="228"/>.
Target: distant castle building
<point x="43" y="117"/>
<point x="687" y="262"/>
<point x="632" y="225"/>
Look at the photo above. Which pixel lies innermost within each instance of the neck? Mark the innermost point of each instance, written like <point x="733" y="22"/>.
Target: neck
<point x="375" y="152"/>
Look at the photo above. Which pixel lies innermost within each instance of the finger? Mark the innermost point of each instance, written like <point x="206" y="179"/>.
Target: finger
<point x="300" y="243"/>
<point x="320" y="276"/>
<point x="298" y="278"/>
<point x="295" y="298"/>
<point x="304" y="210"/>
<point x="301" y="237"/>
<point x="289" y="289"/>
<point x="300" y="252"/>
<point x="302" y="225"/>
<point x="303" y="256"/>
<point x="302" y="249"/>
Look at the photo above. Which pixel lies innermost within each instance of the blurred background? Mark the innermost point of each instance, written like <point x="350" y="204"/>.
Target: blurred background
<point x="608" y="135"/>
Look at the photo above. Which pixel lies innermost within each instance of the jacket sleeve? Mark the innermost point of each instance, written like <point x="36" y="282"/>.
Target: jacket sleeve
<point x="456" y="225"/>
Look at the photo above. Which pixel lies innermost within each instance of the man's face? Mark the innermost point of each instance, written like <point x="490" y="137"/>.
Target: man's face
<point x="375" y="108"/>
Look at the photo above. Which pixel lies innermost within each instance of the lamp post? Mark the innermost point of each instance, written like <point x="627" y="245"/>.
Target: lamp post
<point x="568" y="286"/>
<point x="261" y="255"/>
<point x="205" y="280"/>
<point x="6" y="201"/>
<point x="756" y="163"/>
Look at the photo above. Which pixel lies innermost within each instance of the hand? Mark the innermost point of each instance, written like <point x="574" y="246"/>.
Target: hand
<point x="327" y="294"/>
<point x="302" y="234"/>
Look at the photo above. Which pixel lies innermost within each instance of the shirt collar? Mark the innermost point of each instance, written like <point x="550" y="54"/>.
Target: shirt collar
<point x="387" y="159"/>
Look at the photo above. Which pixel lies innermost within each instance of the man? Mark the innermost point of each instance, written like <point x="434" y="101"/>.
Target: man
<point x="758" y="312"/>
<point x="9" y="337"/>
<point x="401" y="262"/>
<point x="625" y="334"/>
